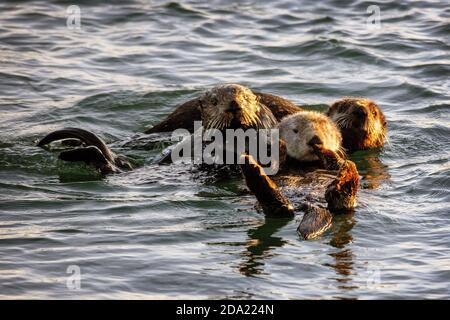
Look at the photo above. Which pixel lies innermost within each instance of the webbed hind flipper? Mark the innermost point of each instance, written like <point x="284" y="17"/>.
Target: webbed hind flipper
<point x="95" y="152"/>
<point x="88" y="155"/>
<point x="315" y="222"/>
<point x="273" y="202"/>
<point x="91" y="156"/>
<point x="88" y="138"/>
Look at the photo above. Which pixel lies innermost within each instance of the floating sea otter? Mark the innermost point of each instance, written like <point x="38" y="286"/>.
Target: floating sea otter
<point x="362" y="123"/>
<point x="308" y="136"/>
<point x="229" y="106"/>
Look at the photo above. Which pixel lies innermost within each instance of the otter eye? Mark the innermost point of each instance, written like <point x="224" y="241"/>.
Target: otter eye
<point x="295" y="130"/>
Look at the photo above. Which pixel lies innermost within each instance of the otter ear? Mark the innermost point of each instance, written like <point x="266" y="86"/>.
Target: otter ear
<point x="335" y="106"/>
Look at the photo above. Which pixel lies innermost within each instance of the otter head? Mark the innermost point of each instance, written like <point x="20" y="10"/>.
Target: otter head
<point x="232" y="106"/>
<point x="306" y="129"/>
<point x="362" y="124"/>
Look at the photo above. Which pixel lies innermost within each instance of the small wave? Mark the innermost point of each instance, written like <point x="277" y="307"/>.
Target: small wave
<point x="434" y="108"/>
<point x="184" y="10"/>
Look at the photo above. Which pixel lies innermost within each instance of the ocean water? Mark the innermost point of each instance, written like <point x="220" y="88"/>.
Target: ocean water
<point x="158" y="231"/>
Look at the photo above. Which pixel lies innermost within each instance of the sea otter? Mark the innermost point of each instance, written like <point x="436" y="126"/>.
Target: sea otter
<point x="307" y="136"/>
<point x="228" y="105"/>
<point x="232" y="106"/>
<point x="299" y="129"/>
<point x="361" y="121"/>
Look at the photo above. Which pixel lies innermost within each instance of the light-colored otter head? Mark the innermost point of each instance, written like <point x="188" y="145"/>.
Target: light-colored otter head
<point x="362" y="124"/>
<point x="233" y="106"/>
<point x="303" y="129"/>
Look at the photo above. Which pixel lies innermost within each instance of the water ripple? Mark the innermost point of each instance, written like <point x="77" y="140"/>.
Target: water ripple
<point x="167" y="231"/>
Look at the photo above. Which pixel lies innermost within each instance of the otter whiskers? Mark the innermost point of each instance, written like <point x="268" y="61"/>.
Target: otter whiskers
<point x="344" y="120"/>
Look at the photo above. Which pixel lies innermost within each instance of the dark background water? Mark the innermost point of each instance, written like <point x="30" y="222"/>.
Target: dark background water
<point x="158" y="232"/>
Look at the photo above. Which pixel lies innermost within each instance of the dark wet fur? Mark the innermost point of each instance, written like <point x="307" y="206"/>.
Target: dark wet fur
<point x="318" y="193"/>
<point x="361" y="122"/>
<point x="94" y="151"/>
<point x="184" y="115"/>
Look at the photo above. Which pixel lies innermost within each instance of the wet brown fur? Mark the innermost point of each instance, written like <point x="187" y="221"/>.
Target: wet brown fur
<point x="319" y="193"/>
<point x="361" y="121"/>
<point x="184" y="115"/>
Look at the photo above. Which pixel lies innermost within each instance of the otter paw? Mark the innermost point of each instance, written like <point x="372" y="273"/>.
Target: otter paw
<point x="341" y="192"/>
<point x="273" y="202"/>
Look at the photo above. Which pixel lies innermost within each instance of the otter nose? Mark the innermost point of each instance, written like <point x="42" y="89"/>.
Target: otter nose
<point x="233" y="107"/>
<point x="315" y="141"/>
<point x="360" y="112"/>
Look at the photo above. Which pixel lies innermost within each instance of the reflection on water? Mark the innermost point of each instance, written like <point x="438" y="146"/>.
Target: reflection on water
<point x="342" y="225"/>
<point x="372" y="170"/>
<point x="261" y="245"/>
<point x="340" y="237"/>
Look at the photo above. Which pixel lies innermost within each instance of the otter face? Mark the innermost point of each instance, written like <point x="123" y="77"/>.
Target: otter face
<point x="362" y="124"/>
<point x="303" y="129"/>
<point x="232" y="106"/>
